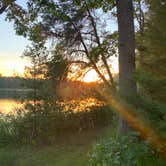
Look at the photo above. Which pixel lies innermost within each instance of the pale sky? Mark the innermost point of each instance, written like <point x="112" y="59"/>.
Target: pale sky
<point x="11" y="49"/>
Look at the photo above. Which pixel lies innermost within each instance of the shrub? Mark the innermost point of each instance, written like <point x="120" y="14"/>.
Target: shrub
<point x="120" y="151"/>
<point x="7" y="134"/>
<point x="42" y="123"/>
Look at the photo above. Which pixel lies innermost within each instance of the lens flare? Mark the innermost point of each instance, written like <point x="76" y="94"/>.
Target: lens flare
<point x="129" y="114"/>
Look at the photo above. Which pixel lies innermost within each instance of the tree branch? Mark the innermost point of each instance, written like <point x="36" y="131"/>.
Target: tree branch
<point x="99" y="45"/>
<point x="91" y="60"/>
<point x="3" y="8"/>
<point x="78" y="62"/>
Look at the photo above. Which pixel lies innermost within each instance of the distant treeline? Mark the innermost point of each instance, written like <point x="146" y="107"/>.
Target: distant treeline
<point x="16" y="87"/>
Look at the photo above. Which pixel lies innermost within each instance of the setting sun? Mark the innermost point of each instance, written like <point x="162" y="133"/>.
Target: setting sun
<point x="91" y="76"/>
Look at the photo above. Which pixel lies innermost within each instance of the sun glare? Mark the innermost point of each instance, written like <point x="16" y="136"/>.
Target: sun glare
<point x="91" y="76"/>
<point x="10" y="66"/>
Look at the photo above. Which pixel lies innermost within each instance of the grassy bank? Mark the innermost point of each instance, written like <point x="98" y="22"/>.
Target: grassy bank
<point x="73" y="150"/>
<point x="56" y="155"/>
<point x="68" y="150"/>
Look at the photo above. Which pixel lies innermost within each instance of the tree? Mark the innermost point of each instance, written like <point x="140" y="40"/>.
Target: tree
<point x="82" y="30"/>
<point x="126" y="46"/>
<point x="75" y="24"/>
<point x="152" y="50"/>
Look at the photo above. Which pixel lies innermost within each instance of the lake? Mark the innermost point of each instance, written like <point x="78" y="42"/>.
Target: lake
<point x="6" y="93"/>
<point x="9" y="99"/>
<point x="9" y="105"/>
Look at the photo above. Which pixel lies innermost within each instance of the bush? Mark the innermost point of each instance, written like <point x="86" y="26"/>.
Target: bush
<point x="121" y="151"/>
<point x="43" y="123"/>
<point x="7" y="132"/>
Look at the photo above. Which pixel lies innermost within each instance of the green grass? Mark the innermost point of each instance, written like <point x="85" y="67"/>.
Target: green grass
<point x="67" y="151"/>
<point x="6" y="157"/>
<point x="53" y="156"/>
<point x="149" y="161"/>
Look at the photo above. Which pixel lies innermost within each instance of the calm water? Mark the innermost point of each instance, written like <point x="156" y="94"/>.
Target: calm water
<point x="9" y="105"/>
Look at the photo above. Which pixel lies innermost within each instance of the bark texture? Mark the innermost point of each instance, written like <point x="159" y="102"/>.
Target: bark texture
<point x="126" y="46"/>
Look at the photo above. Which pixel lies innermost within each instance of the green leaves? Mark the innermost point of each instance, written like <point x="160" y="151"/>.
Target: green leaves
<point x="95" y="53"/>
<point x="106" y="5"/>
<point x="57" y="65"/>
<point x="37" y="33"/>
<point x="151" y="47"/>
<point x="119" y="151"/>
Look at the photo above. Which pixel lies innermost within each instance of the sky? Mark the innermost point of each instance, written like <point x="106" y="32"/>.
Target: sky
<point x="11" y="49"/>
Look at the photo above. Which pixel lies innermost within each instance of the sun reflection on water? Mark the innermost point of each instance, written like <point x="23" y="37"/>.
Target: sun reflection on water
<point x="9" y="105"/>
<point x="81" y="104"/>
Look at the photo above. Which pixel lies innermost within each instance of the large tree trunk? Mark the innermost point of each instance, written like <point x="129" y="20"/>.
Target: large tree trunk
<point x="126" y="48"/>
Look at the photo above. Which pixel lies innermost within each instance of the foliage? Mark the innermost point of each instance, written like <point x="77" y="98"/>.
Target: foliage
<point x="151" y="111"/>
<point x="57" y="65"/>
<point x="122" y="151"/>
<point x="151" y="71"/>
<point x="81" y="34"/>
<point x="43" y="119"/>
<point x="7" y="134"/>
<point x="47" y="123"/>
<point x="76" y="25"/>
<point x="151" y="46"/>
